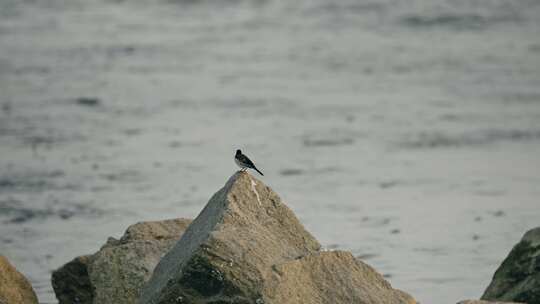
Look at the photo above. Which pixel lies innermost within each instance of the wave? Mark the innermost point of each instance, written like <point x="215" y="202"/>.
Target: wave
<point x="484" y="137"/>
<point x="466" y="21"/>
<point x="15" y="212"/>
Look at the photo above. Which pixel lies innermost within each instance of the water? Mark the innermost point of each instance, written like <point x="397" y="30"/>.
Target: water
<point x="405" y="132"/>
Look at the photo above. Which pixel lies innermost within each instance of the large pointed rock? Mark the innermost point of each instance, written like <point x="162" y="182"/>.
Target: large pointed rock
<point x="116" y="273"/>
<point x="518" y="277"/>
<point x="14" y="287"/>
<point x="246" y="246"/>
<point x="226" y="253"/>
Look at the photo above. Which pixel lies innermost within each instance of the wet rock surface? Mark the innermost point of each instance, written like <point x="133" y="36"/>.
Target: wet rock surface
<point x="246" y="246"/>
<point x="518" y="277"/>
<point x="14" y="287"/>
<point x="116" y="273"/>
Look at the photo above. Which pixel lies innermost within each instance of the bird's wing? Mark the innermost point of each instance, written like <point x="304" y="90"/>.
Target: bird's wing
<point x="244" y="159"/>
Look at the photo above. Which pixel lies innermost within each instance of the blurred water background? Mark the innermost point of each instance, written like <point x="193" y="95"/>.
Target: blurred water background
<point x="407" y="132"/>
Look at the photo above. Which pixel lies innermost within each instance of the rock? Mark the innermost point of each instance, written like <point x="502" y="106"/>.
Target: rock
<point x="485" y="302"/>
<point x="518" y="277"/>
<point x="120" y="268"/>
<point x="71" y="283"/>
<point x="246" y="246"/>
<point x="14" y="287"/>
<point x="330" y="277"/>
<point x="116" y="273"/>
<point x="167" y="230"/>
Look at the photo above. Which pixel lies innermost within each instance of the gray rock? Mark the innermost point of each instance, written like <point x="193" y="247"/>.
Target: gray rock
<point x="116" y="273"/>
<point x="71" y="283"/>
<point x="14" y="287"/>
<point x="518" y="277"/>
<point x="246" y="246"/>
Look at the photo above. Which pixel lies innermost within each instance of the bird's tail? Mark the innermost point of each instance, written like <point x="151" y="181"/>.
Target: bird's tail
<point x="258" y="171"/>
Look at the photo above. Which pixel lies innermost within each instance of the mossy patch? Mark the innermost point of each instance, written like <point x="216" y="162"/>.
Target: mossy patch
<point x="518" y="277"/>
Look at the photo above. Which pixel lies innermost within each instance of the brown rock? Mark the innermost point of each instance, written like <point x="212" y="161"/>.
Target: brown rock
<point x="246" y="246"/>
<point x="331" y="277"/>
<point x="116" y="273"/>
<point x="156" y="230"/>
<point x="14" y="287"/>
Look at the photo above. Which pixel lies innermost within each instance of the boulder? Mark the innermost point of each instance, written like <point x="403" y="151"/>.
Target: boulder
<point x="247" y="246"/>
<point x="116" y="273"/>
<point x="14" y="287"/>
<point x="518" y="277"/>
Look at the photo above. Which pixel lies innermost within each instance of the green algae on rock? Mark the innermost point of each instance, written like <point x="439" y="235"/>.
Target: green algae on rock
<point x="518" y="277"/>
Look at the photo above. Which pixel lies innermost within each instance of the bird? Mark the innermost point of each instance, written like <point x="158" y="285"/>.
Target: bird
<point x="244" y="162"/>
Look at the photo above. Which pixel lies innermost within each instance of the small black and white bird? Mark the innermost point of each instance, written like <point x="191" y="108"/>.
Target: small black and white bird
<point x="244" y="162"/>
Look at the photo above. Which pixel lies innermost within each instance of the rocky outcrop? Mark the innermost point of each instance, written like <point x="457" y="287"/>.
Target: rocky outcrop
<point x="116" y="273"/>
<point x="518" y="277"/>
<point x="14" y="287"/>
<point x="246" y="246"/>
<point x="485" y="302"/>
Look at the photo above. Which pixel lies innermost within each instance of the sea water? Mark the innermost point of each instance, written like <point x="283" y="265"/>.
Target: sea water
<point x="407" y="132"/>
